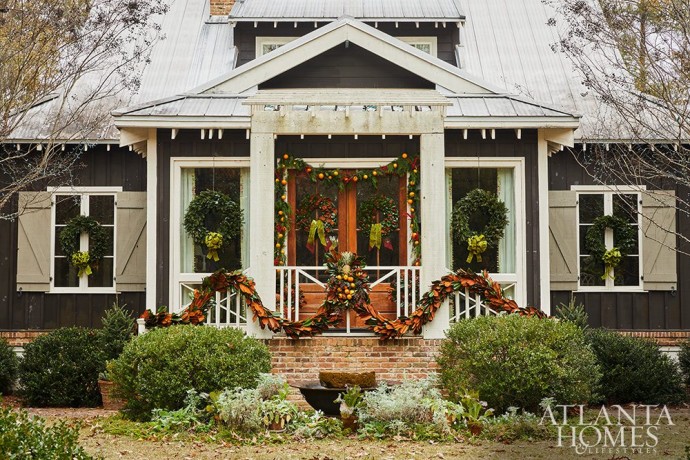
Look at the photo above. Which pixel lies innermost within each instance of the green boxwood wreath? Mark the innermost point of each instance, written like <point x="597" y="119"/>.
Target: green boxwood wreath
<point x="213" y="212"/>
<point x="388" y="218"/>
<point x="99" y="239"/>
<point x="484" y="202"/>
<point x="624" y="234"/>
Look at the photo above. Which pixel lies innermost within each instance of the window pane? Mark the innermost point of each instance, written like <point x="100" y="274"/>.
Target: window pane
<point x="625" y="206"/>
<point x="591" y="271"/>
<point x="194" y="181"/>
<point x="102" y="275"/>
<point x="109" y="246"/>
<point x="591" y="207"/>
<point x="65" y="273"/>
<point x="66" y="207"/>
<point x="583" y="239"/>
<point x="500" y="259"/>
<point x="102" y="208"/>
<point x="627" y="273"/>
<point x="426" y="47"/>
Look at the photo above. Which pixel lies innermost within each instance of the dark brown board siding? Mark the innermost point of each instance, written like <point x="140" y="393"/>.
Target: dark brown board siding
<point x="507" y="145"/>
<point x="347" y="67"/>
<point x="246" y="33"/>
<point x="633" y="311"/>
<point x="35" y="310"/>
<point x="187" y="144"/>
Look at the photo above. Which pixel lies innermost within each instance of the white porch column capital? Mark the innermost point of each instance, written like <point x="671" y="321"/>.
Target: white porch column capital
<point x="261" y="198"/>
<point x="433" y="214"/>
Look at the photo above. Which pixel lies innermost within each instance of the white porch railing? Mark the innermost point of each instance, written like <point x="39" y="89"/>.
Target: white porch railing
<point x="226" y="310"/>
<point x="463" y="305"/>
<point x="292" y="281"/>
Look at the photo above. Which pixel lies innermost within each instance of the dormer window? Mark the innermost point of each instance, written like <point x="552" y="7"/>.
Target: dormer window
<point x="426" y="44"/>
<point x="265" y="45"/>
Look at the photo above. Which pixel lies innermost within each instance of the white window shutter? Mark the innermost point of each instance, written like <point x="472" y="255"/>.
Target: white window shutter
<point x="563" y="240"/>
<point x="130" y="257"/>
<point x="659" y="240"/>
<point x="33" y="241"/>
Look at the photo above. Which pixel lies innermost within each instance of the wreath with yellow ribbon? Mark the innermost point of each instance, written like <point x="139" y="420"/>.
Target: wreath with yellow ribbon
<point x="212" y="220"/>
<point x="624" y="237"/>
<point x="99" y="241"/>
<point x="379" y="215"/>
<point x="318" y="225"/>
<point x="479" y="205"/>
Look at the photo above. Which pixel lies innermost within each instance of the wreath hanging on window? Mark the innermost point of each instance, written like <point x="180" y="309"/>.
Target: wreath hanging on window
<point x="99" y="240"/>
<point x="379" y="228"/>
<point x="478" y="240"/>
<point x="323" y="225"/>
<point x="218" y="210"/>
<point x="624" y="234"/>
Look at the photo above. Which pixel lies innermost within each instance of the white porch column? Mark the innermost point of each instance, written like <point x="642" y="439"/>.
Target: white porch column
<point x="261" y="208"/>
<point x="433" y="214"/>
<point x="151" y="218"/>
<point x="544" y="261"/>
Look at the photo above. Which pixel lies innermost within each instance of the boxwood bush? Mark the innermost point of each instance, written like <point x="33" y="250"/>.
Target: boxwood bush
<point x="684" y="361"/>
<point x="8" y="367"/>
<point x="156" y="370"/>
<point x="61" y="369"/>
<point x="517" y="361"/>
<point x="635" y="370"/>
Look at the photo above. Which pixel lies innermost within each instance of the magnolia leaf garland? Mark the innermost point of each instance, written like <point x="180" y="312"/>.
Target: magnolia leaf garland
<point x="99" y="243"/>
<point x="624" y="237"/>
<point x="347" y="290"/>
<point x="212" y="220"/>
<point x="478" y="240"/>
<point x="379" y="215"/>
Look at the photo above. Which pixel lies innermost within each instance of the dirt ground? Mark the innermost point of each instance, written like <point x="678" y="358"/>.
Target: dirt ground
<point x="672" y="441"/>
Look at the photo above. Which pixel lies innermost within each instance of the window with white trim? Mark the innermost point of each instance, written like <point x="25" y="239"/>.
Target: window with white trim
<point x="95" y="204"/>
<point x="427" y="44"/>
<point x="593" y="274"/>
<point x="265" y="45"/>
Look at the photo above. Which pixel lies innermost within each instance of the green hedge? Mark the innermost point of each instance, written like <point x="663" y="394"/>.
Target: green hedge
<point x="8" y="367"/>
<point x="516" y="361"/>
<point x="635" y="370"/>
<point x="156" y="370"/>
<point x="61" y="368"/>
<point x="684" y="360"/>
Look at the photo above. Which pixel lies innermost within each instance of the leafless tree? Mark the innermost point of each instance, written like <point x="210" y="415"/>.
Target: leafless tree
<point x="64" y="64"/>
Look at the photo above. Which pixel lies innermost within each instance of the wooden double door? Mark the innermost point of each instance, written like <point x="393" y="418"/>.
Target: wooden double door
<point x="348" y="202"/>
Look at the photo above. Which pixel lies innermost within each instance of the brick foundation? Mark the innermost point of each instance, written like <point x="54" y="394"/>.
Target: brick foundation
<point x="663" y="338"/>
<point x="300" y="360"/>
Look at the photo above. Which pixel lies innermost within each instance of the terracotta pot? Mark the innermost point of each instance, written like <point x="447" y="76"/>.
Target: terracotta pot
<point x="475" y="428"/>
<point x="275" y="426"/>
<point x="350" y="422"/>
<point x="110" y="401"/>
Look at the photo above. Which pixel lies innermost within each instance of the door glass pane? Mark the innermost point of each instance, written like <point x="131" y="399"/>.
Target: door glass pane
<point x="308" y="194"/>
<point x="501" y="257"/>
<point x="370" y="200"/>
<point x="194" y="181"/>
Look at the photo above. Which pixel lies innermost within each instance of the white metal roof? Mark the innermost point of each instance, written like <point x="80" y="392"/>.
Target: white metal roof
<point x="373" y="10"/>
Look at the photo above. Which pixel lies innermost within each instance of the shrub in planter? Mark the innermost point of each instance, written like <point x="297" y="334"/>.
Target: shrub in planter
<point x="61" y="369"/>
<point x="8" y="367"/>
<point x="635" y="370"/>
<point x="117" y="329"/>
<point x="517" y="361"/>
<point x="156" y="370"/>
<point x="27" y="437"/>
<point x="684" y="361"/>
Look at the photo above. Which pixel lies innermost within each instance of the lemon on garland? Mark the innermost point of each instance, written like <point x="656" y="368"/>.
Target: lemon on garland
<point x="212" y="220"/>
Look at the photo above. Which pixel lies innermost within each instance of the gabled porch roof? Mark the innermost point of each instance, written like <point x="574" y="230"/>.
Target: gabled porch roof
<point x="472" y="101"/>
